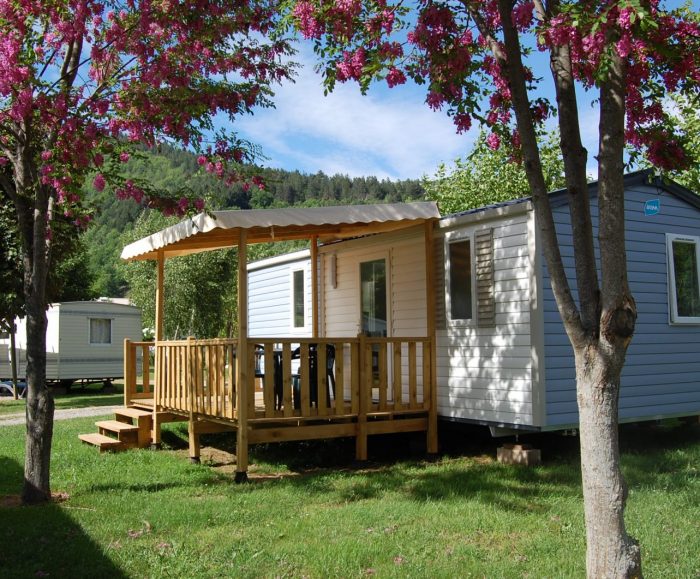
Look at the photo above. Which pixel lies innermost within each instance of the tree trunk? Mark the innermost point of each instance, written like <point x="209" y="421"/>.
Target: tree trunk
<point x="40" y="408"/>
<point x="611" y="552"/>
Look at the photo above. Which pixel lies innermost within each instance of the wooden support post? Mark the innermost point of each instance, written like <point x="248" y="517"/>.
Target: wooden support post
<point x="191" y="376"/>
<point x="430" y="381"/>
<point x="242" y="390"/>
<point x="160" y="308"/>
<point x="160" y="297"/>
<point x="314" y="287"/>
<point x="365" y="383"/>
<point x="127" y="377"/>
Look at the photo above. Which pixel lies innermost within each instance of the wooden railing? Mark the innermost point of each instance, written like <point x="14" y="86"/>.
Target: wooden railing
<point x="290" y="378"/>
<point x="197" y="377"/>
<point x="137" y="385"/>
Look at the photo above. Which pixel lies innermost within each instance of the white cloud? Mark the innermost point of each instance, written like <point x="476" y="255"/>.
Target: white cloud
<point x="388" y="133"/>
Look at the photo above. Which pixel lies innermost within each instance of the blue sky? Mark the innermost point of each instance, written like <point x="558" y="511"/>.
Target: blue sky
<point x="389" y="133"/>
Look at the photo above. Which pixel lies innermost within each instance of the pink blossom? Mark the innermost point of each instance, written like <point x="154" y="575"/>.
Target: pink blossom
<point x="4" y="161"/>
<point x="308" y="24"/>
<point x="201" y="160"/>
<point x="199" y="204"/>
<point x="46" y="155"/>
<point x="98" y="160"/>
<point x="395" y="77"/>
<point x="99" y="182"/>
<point x="124" y="156"/>
<point x="493" y="141"/>
<point x="463" y="122"/>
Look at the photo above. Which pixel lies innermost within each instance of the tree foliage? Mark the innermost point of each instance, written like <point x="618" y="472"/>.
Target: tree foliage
<point x="82" y="82"/>
<point x="488" y="175"/>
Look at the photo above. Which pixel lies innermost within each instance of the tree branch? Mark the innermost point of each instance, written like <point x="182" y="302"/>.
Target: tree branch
<point x="619" y="311"/>
<point x="575" y="158"/>
<point x="512" y="65"/>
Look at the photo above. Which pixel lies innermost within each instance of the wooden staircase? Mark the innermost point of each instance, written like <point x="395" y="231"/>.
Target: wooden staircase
<point x="131" y="428"/>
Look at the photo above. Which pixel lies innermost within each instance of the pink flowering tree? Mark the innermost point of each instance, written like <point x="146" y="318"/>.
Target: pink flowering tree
<point x="475" y="58"/>
<point x="82" y="82"/>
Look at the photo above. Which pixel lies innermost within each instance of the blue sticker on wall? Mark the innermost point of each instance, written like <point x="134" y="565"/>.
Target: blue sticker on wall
<point x="652" y="207"/>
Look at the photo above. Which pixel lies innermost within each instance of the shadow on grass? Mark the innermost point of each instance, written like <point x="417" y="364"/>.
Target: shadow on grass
<point x="653" y="455"/>
<point x="44" y="541"/>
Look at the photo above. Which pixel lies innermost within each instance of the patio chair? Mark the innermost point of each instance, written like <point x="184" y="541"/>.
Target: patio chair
<point x="313" y="375"/>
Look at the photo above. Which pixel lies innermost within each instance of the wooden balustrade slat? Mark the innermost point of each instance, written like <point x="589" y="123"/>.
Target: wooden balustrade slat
<point x="427" y="357"/>
<point x="355" y="374"/>
<point x="412" y="375"/>
<point x="397" y="381"/>
<point x="287" y="379"/>
<point x="321" y="379"/>
<point x="339" y="378"/>
<point x="269" y="380"/>
<point x="304" y="372"/>
<point x="383" y="371"/>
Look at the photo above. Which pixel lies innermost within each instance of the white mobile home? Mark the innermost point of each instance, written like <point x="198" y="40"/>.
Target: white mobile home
<point x="84" y="341"/>
<point x="503" y="358"/>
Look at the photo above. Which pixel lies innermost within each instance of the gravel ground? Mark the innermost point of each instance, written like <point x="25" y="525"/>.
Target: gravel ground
<point x="62" y="414"/>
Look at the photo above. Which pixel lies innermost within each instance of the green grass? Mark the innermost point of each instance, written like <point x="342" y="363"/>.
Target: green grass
<point x="78" y="397"/>
<point x="152" y="514"/>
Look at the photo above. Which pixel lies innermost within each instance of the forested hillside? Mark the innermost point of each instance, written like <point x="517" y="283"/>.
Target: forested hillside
<point x="174" y="170"/>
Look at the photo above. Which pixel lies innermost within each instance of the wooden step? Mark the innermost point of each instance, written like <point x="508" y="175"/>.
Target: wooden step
<point x="133" y="413"/>
<point x="116" y="426"/>
<point x="101" y="441"/>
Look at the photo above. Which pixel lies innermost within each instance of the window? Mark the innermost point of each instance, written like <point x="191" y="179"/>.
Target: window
<point x="100" y="331"/>
<point x="459" y="298"/>
<point x="684" y="282"/>
<point x="298" y="299"/>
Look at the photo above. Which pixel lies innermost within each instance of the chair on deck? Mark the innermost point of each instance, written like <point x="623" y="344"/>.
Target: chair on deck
<point x="313" y="375"/>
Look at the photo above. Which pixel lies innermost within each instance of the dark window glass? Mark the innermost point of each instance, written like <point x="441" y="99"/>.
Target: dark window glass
<point x="460" y="280"/>
<point x="299" y="317"/>
<point x="685" y="268"/>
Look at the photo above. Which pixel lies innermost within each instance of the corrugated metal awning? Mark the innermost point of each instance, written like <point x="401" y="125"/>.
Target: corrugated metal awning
<point x="221" y="228"/>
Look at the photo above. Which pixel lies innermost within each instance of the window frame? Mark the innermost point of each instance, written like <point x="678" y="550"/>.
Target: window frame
<point x="451" y="238"/>
<point x="292" y="294"/>
<point x="111" y="331"/>
<point x="674" y="317"/>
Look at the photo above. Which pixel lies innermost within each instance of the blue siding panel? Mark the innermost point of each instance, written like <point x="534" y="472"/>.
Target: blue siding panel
<point x="662" y="370"/>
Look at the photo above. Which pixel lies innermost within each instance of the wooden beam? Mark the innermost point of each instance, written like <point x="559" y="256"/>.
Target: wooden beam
<point x="242" y="361"/>
<point x="314" y="287"/>
<point x="432" y="441"/>
<point x="160" y="297"/>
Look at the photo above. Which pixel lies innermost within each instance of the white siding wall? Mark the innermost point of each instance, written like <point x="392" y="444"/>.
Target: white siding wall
<point x="405" y="259"/>
<point x="69" y="354"/>
<point x="405" y="255"/>
<point x="486" y="374"/>
<point x="77" y="357"/>
<point x="270" y="297"/>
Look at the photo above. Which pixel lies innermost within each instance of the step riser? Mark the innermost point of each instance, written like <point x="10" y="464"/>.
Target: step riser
<point x="131" y="428"/>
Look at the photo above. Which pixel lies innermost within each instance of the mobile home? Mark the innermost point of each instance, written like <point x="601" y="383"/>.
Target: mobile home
<point x="84" y="341"/>
<point x="502" y="356"/>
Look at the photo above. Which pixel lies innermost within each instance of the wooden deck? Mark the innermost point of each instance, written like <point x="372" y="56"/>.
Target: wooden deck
<point x="294" y="389"/>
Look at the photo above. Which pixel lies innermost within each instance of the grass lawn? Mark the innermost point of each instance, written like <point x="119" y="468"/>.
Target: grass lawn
<point x="308" y="512"/>
<point x="78" y="397"/>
